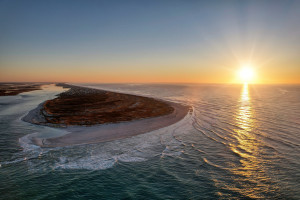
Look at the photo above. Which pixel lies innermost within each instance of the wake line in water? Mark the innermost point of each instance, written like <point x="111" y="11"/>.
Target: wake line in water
<point x="276" y="139"/>
<point x="225" y="139"/>
<point x="226" y="144"/>
<point x="206" y="134"/>
<point x="275" y="123"/>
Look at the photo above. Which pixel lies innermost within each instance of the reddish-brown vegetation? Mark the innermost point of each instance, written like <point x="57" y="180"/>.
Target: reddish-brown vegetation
<point x="84" y="106"/>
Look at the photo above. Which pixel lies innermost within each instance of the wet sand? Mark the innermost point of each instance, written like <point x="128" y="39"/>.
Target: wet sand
<point x="128" y="119"/>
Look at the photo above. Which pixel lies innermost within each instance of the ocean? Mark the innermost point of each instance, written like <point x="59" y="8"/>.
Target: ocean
<point x="239" y="142"/>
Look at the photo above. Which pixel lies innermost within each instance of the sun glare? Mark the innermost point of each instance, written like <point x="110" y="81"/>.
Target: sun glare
<point x="246" y="74"/>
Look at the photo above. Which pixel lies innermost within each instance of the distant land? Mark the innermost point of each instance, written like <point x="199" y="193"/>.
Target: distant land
<point x="10" y="89"/>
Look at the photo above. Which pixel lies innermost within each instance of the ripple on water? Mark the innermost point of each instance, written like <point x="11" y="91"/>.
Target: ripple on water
<point x="225" y="149"/>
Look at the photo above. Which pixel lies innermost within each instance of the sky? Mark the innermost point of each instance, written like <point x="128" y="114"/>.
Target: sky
<point x="148" y="41"/>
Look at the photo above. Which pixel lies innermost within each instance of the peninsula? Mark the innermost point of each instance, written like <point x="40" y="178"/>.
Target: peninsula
<point x="93" y="116"/>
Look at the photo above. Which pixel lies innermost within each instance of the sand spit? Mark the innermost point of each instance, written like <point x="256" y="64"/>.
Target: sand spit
<point x="93" y="116"/>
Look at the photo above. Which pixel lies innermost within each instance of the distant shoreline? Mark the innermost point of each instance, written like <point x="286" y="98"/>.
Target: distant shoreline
<point x="11" y="89"/>
<point x="109" y="116"/>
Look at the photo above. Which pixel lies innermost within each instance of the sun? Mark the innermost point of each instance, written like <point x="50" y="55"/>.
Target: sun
<point x="246" y="74"/>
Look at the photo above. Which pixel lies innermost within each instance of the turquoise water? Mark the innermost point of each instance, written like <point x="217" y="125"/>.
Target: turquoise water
<point x="240" y="142"/>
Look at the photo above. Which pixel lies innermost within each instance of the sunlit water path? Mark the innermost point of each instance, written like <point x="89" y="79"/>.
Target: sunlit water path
<point x="240" y="142"/>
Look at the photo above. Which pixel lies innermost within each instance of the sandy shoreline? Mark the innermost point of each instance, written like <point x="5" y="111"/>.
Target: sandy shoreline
<point x="107" y="132"/>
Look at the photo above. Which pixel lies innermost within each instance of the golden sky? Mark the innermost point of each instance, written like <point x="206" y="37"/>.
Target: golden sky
<point x="157" y="42"/>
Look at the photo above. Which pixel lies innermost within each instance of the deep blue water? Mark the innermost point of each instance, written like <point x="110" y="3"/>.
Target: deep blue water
<point x="240" y="142"/>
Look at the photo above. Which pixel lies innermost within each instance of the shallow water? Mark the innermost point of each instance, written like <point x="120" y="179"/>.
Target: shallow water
<point x="240" y="142"/>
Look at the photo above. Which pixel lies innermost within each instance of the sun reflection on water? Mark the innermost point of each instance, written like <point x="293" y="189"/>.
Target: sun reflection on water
<point x="245" y="110"/>
<point x="250" y="179"/>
